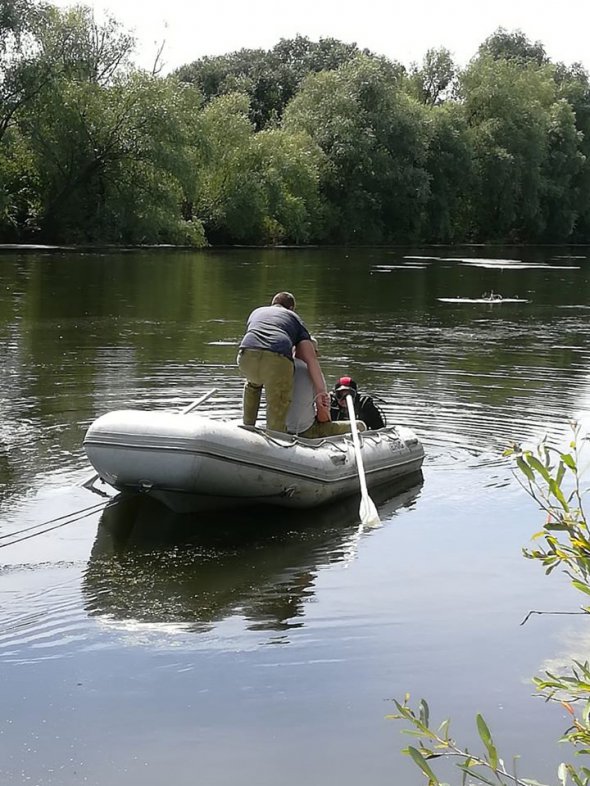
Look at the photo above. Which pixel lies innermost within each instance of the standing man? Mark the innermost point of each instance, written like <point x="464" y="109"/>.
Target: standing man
<point x="265" y="360"/>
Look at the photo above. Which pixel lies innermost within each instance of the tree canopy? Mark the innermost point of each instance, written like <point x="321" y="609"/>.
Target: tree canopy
<point x="305" y="142"/>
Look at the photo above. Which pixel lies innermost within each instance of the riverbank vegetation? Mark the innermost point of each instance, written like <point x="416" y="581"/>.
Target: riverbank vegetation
<point x="309" y="142"/>
<point x="553" y="478"/>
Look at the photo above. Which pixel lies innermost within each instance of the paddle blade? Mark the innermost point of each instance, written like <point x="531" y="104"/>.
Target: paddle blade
<point x="368" y="512"/>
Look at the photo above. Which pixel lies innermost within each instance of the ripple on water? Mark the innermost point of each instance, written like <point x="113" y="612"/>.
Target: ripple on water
<point x="41" y="616"/>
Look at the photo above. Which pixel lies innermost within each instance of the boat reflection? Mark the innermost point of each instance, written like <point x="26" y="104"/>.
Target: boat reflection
<point x="150" y="565"/>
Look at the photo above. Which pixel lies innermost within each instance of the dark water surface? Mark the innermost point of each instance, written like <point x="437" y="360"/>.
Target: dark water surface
<point x="139" y="648"/>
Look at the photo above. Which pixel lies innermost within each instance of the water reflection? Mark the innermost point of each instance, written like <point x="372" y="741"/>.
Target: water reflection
<point x="151" y="565"/>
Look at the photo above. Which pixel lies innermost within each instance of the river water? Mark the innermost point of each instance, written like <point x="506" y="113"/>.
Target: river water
<point x="139" y="648"/>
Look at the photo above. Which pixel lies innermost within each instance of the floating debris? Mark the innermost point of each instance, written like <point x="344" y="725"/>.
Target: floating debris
<point x="487" y="297"/>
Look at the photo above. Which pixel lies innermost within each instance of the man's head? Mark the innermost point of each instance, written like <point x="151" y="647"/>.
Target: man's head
<point x="284" y="299"/>
<point x="345" y="386"/>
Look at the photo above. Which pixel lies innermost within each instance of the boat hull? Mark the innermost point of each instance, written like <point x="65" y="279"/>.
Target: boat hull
<point x="192" y="462"/>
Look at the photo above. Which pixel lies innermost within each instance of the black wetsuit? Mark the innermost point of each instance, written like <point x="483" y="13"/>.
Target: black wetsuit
<point x="365" y="409"/>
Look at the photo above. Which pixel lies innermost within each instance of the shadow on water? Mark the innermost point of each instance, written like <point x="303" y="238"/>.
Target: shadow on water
<point x="151" y="565"/>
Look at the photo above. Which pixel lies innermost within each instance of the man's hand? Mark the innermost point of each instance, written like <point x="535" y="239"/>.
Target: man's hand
<point x="322" y="405"/>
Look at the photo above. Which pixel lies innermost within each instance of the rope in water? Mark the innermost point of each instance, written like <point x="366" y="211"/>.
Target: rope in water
<point x="41" y="529"/>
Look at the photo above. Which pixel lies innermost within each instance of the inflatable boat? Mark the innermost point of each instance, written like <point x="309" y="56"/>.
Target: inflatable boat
<point x="192" y="462"/>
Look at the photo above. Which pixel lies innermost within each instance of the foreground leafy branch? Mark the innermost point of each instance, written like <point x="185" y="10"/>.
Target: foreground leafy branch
<point x="436" y="743"/>
<point x="553" y="478"/>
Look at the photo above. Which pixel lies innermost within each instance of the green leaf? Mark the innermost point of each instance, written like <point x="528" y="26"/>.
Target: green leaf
<point x="558" y="494"/>
<point x="422" y="763"/>
<point x="443" y="729"/>
<point x="575" y="777"/>
<point x="531" y="782"/>
<point x="525" y="469"/>
<point x="477" y="775"/>
<point x="581" y="586"/>
<point x="542" y="470"/>
<point x="424" y="712"/>
<point x="568" y="459"/>
<point x="562" y="774"/>
<point x="486" y="738"/>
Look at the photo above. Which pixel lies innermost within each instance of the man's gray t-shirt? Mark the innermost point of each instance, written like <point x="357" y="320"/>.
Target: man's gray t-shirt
<point x="301" y="414"/>
<point x="275" y="329"/>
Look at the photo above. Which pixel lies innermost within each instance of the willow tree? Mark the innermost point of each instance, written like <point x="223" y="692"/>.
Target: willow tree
<point x="508" y="108"/>
<point x="450" y="166"/>
<point x="255" y="187"/>
<point x="564" y="200"/>
<point x="573" y="86"/>
<point x="270" y="78"/>
<point x="530" y="123"/>
<point x="432" y="80"/>
<point x="29" y="59"/>
<point x="229" y="200"/>
<point x="513" y="45"/>
<point x="112" y="147"/>
<point x="375" y="139"/>
<point x="29" y="62"/>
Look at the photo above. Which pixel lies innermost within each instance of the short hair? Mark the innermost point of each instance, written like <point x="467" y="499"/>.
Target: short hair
<point x="285" y="299"/>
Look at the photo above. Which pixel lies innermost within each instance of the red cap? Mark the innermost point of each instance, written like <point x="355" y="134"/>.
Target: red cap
<point x="345" y="382"/>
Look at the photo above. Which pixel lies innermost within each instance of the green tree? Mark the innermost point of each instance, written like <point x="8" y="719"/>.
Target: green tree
<point x="112" y="160"/>
<point x="39" y="43"/>
<point x="226" y="130"/>
<point x="508" y="108"/>
<point x="28" y="64"/>
<point x="450" y="168"/>
<point x="111" y="148"/>
<point x="257" y="188"/>
<point x="287" y="165"/>
<point x="573" y="86"/>
<point x="24" y="71"/>
<point x="374" y="137"/>
<point x="431" y="82"/>
<point x="562" y="197"/>
<point x="19" y="198"/>
<point x="513" y="45"/>
<point x="270" y="78"/>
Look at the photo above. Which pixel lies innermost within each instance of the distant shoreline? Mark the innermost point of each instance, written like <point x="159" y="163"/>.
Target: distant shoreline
<point x="109" y="248"/>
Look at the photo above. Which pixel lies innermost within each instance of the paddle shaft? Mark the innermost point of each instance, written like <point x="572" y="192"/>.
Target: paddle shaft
<point x="368" y="511"/>
<point x="197" y="402"/>
<point x="357" y="445"/>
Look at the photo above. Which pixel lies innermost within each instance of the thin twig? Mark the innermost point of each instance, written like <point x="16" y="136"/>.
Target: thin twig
<point x="551" y="612"/>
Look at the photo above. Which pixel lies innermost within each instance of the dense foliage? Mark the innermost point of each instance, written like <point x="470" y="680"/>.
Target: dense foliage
<point x="307" y="142"/>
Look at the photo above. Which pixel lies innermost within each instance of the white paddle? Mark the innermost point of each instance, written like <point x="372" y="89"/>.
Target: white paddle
<point x="367" y="512"/>
<point x="198" y="401"/>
